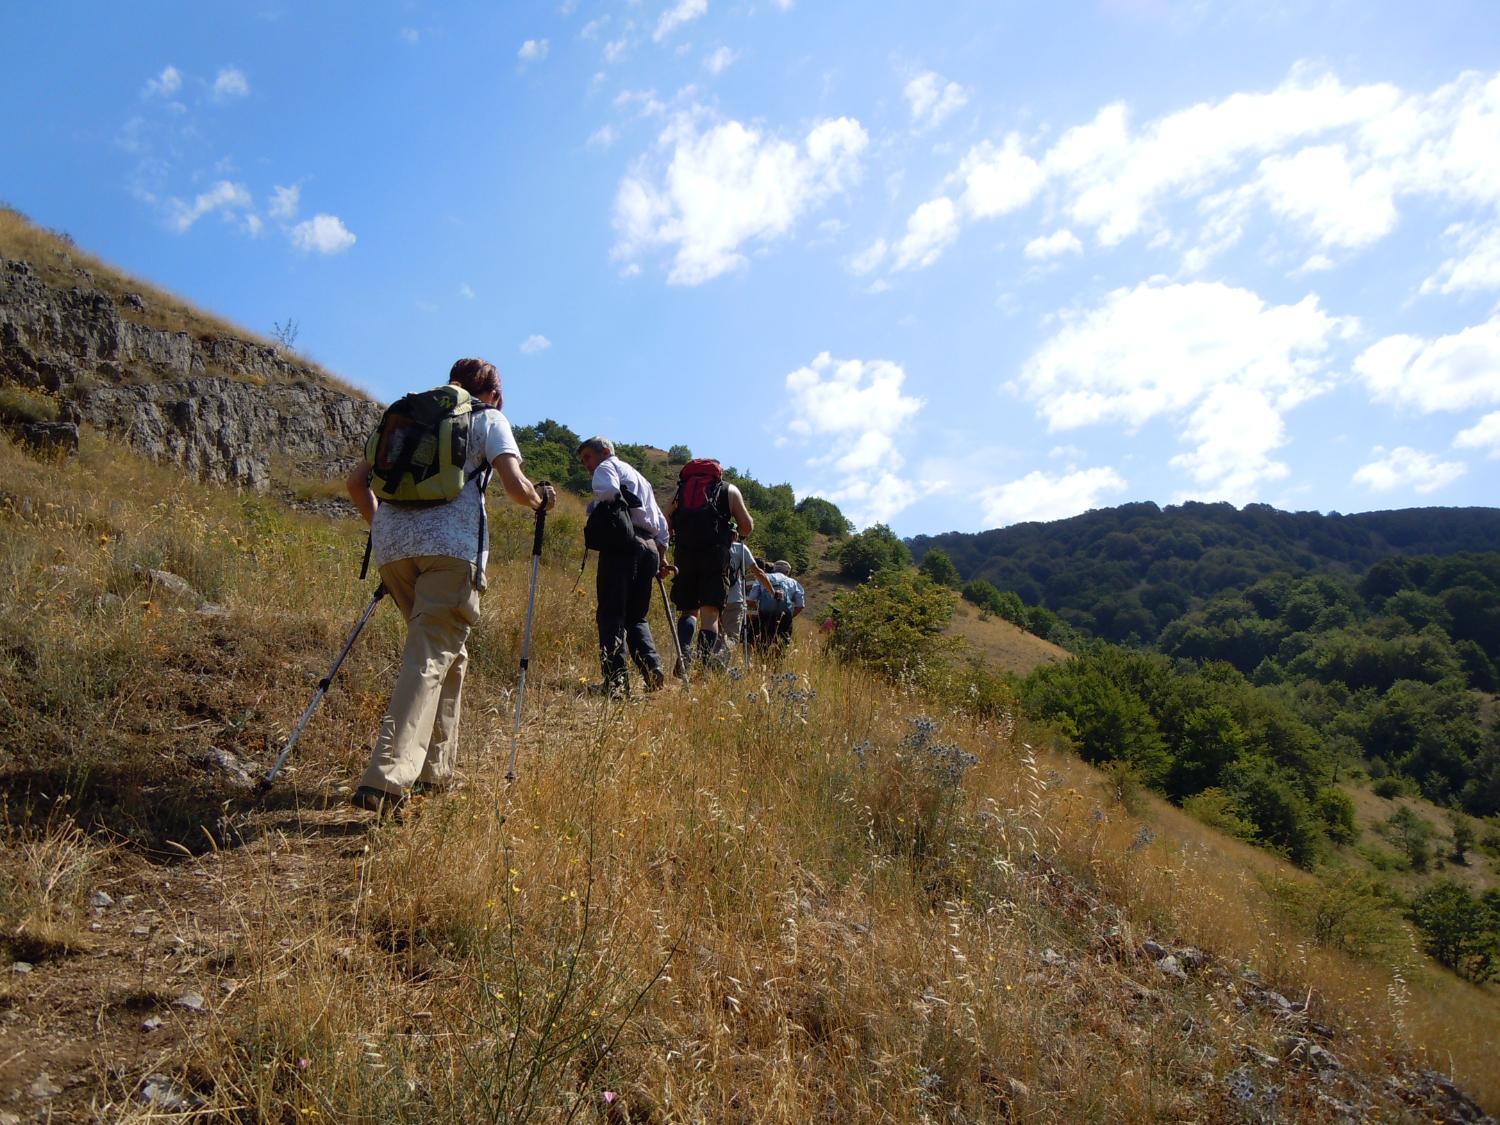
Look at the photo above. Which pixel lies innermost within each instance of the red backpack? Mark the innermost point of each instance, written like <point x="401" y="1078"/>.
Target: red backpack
<point x="702" y="515"/>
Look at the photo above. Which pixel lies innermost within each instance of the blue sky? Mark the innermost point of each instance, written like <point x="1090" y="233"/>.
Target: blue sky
<point x="952" y="265"/>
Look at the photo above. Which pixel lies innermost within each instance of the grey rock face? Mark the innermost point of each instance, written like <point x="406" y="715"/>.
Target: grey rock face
<point x="217" y="405"/>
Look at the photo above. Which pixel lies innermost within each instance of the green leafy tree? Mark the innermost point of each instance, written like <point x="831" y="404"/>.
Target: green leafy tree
<point x="679" y="455"/>
<point x="1458" y="929"/>
<point x="1413" y="835"/>
<point x="873" y="549"/>
<point x="783" y="535"/>
<point x="939" y="567"/>
<point x="824" y="517"/>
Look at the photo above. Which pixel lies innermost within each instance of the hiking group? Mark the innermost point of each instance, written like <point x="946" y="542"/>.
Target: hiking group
<point x="420" y="488"/>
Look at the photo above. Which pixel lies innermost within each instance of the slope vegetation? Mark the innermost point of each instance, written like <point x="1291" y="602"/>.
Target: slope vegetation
<point x="787" y="894"/>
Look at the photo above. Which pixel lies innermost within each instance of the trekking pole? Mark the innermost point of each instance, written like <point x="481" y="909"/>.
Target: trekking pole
<point x="672" y="628"/>
<point x="323" y="684"/>
<point x="536" y="562"/>
<point x="582" y="566"/>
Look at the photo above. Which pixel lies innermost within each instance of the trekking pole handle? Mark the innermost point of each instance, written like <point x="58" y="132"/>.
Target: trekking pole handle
<point x="549" y="496"/>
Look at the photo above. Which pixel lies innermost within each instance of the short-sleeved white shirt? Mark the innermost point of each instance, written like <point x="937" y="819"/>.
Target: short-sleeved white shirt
<point x="450" y="529"/>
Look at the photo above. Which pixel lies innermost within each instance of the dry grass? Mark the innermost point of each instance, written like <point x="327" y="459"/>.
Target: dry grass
<point x="63" y="265"/>
<point x="769" y="898"/>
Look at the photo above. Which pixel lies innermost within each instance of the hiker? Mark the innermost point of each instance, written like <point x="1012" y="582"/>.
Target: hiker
<point x="431" y="554"/>
<point x="743" y="571"/>
<point x="628" y="563"/>
<point x="772" y="602"/>
<point x="700" y="517"/>
<point x="796" y="601"/>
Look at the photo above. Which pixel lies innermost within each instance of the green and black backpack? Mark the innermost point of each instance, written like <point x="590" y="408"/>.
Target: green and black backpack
<point x="417" y="453"/>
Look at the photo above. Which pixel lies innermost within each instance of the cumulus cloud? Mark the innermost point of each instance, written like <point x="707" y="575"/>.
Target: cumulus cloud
<point x="603" y="137"/>
<point x="222" y="197"/>
<point x="1053" y="245"/>
<point x="932" y="100"/>
<point x="533" y="50"/>
<point x="704" y="193"/>
<point x="1475" y="266"/>
<point x="854" y="409"/>
<point x="680" y="13"/>
<point x="1456" y="372"/>
<point x="720" y="60"/>
<point x="535" y="343"/>
<point x="1404" y="467"/>
<point x="592" y="29"/>
<point x="231" y="83"/>
<point x="322" y="234"/>
<point x="165" y="84"/>
<point x="868" y="259"/>
<point x="1484" y="434"/>
<point x="998" y="181"/>
<point x="284" y="202"/>
<point x="930" y="229"/>
<point x="1216" y="361"/>
<point x="1042" y="496"/>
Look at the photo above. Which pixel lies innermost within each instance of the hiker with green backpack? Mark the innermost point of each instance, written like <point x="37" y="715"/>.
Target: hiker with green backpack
<point x="420" y="487"/>
<point x="700" y="516"/>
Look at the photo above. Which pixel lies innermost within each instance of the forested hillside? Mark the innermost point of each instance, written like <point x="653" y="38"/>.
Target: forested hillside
<point x="1124" y="574"/>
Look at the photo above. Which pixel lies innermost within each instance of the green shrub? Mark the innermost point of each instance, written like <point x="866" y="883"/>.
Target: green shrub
<point x="873" y="549"/>
<point x="939" y="567"/>
<point x="893" y="623"/>
<point x="1458" y="929"/>
<point x="679" y="455"/>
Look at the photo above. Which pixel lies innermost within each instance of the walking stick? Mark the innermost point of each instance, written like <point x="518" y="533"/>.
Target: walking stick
<point x="582" y="566"/>
<point x="536" y="562"/>
<point x="672" y="628"/>
<point x="323" y="684"/>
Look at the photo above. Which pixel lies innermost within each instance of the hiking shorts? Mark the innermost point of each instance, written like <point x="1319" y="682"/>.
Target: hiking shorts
<point x="702" y="579"/>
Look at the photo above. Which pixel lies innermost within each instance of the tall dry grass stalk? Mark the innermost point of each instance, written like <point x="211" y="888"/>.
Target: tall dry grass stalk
<point x="784" y="894"/>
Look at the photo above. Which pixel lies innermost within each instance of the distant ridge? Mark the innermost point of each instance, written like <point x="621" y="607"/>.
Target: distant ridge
<point x="1129" y="570"/>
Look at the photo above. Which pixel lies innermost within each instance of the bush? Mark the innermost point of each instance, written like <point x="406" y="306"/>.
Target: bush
<point x="939" y="567"/>
<point x="1344" y="910"/>
<point x="679" y="455"/>
<point x="783" y="535"/>
<point x="1459" y="930"/>
<point x="893" y="623"/>
<point x="1413" y="835"/>
<point x="824" y="517"/>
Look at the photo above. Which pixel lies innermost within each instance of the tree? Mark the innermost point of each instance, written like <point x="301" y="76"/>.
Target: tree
<point x="939" y="567"/>
<point x="679" y="455"/>
<point x="824" y="517"/>
<point x="783" y="535"/>
<point x="893" y="622"/>
<point x="1459" y="930"/>
<point x="873" y="549"/>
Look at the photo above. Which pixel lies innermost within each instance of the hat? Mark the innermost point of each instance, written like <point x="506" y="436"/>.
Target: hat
<point x="781" y="566"/>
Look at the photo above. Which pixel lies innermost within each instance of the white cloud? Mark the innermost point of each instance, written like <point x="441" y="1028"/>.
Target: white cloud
<point x="1455" y="372"/>
<point x="592" y="29"/>
<point x="930" y="229"/>
<point x="223" y="196"/>
<point x="1318" y="263"/>
<point x="998" y="181"/>
<point x="1484" y="434"/>
<point x="603" y="137"/>
<point x="466" y="291"/>
<point x="231" y="83"/>
<point x="533" y="50"/>
<point x="254" y="225"/>
<point x="1053" y="246"/>
<point x="868" y="259"/>
<point x="615" y="49"/>
<point x="784" y="5"/>
<point x="706" y="193"/>
<point x="1476" y="266"/>
<point x="165" y="84"/>
<point x="682" y="12"/>
<point x="932" y="100"/>
<point x="854" y="409"/>
<point x="720" y="60"/>
<point x="410" y="36"/>
<point x="1215" y="360"/>
<point x="1317" y="188"/>
<point x="1041" y="496"/>
<point x="322" y="234"/>
<point x="1407" y="467"/>
<point x="284" y="202"/>
<point x="535" y="343"/>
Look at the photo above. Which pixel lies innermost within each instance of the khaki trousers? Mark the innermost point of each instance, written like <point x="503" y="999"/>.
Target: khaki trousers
<point x="418" y="738"/>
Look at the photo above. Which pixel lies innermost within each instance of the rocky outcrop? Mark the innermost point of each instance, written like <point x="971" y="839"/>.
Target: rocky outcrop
<point x="219" y="405"/>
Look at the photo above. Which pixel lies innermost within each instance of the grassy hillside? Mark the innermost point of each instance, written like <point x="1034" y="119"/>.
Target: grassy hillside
<point x="781" y="896"/>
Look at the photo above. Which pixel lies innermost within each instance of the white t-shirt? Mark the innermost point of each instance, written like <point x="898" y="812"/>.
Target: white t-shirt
<point x="610" y="476"/>
<point x="451" y="529"/>
<point x="740" y="560"/>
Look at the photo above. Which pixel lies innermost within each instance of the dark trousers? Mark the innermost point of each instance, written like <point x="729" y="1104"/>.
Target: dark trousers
<point x="624" y="589"/>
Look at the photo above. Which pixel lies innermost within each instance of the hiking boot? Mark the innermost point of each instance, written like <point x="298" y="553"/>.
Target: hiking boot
<point x="421" y="788"/>
<point x="378" y="801"/>
<point x="608" y="690"/>
<point x="654" y="679"/>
